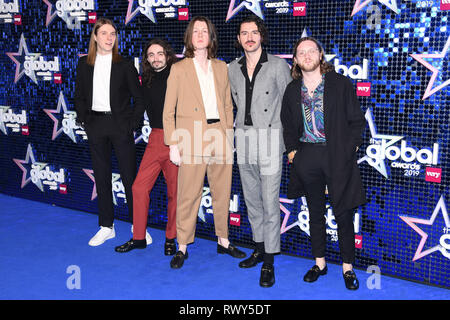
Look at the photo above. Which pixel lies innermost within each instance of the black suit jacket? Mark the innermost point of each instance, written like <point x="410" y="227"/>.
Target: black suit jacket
<point x="124" y="85"/>
<point x="344" y="124"/>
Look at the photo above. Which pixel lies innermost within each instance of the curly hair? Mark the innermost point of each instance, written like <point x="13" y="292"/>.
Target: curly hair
<point x="147" y="70"/>
<point x="261" y="28"/>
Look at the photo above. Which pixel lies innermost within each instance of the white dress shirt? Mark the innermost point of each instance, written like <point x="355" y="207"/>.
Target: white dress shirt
<point x="208" y="90"/>
<point x="101" y="83"/>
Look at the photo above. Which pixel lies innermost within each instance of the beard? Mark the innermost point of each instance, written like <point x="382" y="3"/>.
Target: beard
<point x="158" y="66"/>
<point x="311" y="67"/>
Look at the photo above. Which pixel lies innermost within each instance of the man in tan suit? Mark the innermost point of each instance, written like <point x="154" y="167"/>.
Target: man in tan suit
<point x="198" y="127"/>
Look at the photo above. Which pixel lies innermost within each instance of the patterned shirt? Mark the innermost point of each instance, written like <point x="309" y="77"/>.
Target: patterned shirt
<point x="312" y="109"/>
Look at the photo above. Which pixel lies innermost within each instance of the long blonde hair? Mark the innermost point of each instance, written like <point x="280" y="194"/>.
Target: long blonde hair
<point x="92" y="53"/>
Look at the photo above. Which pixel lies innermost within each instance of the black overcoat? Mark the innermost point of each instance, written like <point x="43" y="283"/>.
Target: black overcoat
<point x="344" y="124"/>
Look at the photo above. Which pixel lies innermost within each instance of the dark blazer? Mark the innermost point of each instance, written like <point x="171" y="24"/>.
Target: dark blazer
<point x="124" y="84"/>
<point x="344" y="124"/>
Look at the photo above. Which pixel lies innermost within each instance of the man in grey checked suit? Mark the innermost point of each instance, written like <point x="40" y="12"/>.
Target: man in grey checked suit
<point x="258" y="81"/>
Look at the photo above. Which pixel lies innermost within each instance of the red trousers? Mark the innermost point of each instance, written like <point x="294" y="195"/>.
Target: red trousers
<point x="156" y="158"/>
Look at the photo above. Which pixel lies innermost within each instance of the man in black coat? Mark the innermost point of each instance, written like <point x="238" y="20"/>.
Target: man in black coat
<point x="323" y="125"/>
<point x="104" y="85"/>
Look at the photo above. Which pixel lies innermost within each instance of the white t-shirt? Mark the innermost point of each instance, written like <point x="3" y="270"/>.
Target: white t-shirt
<point x="101" y="83"/>
<point x="208" y="90"/>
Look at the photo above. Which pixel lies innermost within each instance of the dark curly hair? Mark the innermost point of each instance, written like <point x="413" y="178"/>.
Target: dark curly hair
<point x="147" y="70"/>
<point x="261" y="28"/>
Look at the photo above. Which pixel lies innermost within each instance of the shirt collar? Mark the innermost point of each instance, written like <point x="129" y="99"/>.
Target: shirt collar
<point x="262" y="58"/>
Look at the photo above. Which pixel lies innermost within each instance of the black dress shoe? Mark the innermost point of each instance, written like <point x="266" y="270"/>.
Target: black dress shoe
<point x="314" y="273"/>
<point x="351" y="282"/>
<point x="170" y="248"/>
<point x="178" y="259"/>
<point x="255" y="258"/>
<point x="231" y="250"/>
<point x="267" y="278"/>
<point x="132" y="244"/>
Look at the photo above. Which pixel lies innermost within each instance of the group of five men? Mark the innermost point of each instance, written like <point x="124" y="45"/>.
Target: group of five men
<point x="310" y="112"/>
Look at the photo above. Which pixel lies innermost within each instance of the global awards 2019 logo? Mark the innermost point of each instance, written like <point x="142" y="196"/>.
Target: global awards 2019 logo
<point x="72" y="12"/>
<point x="16" y="121"/>
<point x="169" y="8"/>
<point x="41" y="174"/>
<point x="34" y="65"/>
<point x="407" y="158"/>
<point x="10" y="12"/>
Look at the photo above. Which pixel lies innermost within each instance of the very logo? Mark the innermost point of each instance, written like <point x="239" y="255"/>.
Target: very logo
<point x="299" y="9"/>
<point x="183" y="14"/>
<point x="235" y="219"/>
<point x="363" y="89"/>
<point x="433" y="174"/>
<point x="445" y="5"/>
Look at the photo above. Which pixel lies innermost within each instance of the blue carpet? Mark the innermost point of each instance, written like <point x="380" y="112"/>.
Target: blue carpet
<point x="39" y="242"/>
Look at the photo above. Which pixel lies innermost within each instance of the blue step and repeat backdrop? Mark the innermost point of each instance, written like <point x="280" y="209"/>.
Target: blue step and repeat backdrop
<point x="396" y="52"/>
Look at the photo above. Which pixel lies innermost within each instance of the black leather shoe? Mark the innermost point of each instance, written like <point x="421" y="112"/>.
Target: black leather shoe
<point x="255" y="258"/>
<point x="132" y="244"/>
<point x="351" y="282"/>
<point x="231" y="250"/>
<point x="314" y="273"/>
<point x="178" y="259"/>
<point x="267" y="278"/>
<point x="170" y="248"/>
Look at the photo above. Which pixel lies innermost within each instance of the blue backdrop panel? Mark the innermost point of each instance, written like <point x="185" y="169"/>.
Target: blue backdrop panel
<point x="395" y="52"/>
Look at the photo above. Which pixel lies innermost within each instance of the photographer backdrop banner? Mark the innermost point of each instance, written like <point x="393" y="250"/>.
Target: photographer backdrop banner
<point x="395" y="52"/>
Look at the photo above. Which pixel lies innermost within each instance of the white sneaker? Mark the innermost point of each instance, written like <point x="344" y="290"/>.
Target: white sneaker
<point x="102" y="235"/>
<point x="148" y="237"/>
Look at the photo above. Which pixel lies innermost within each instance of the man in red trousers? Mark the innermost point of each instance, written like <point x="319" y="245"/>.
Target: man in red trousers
<point x="156" y="63"/>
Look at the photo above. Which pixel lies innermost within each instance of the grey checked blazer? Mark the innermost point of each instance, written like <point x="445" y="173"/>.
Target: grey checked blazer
<point x="268" y="91"/>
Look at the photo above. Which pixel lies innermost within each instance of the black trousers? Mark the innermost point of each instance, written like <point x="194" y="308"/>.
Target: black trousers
<point x="104" y="134"/>
<point x="312" y="166"/>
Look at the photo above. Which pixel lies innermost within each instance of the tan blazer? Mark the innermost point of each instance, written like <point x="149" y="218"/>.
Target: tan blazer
<point x="183" y="108"/>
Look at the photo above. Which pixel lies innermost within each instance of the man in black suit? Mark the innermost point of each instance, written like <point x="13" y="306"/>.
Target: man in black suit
<point x="323" y="124"/>
<point x="105" y="83"/>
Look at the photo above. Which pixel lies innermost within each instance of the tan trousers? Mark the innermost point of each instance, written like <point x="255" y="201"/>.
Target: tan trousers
<point x="191" y="177"/>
